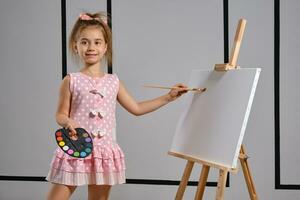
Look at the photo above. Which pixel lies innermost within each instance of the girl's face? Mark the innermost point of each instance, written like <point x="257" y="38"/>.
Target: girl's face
<point x="91" y="45"/>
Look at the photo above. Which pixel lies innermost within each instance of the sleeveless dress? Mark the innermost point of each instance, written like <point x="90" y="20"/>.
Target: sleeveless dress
<point x="93" y="107"/>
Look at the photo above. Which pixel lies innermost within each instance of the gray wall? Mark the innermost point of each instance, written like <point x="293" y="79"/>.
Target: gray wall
<point x="155" y="42"/>
<point x="289" y="80"/>
<point x="160" y="47"/>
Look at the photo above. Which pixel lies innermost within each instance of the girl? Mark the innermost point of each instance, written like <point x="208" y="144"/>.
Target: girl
<point x="88" y="100"/>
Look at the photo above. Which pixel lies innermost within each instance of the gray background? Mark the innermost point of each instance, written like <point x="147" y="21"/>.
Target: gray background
<point x="155" y="42"/>
<point x="290" y="107"/>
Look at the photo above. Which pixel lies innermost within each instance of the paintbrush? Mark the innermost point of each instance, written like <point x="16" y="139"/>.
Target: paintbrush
<point x="188" y="89"/>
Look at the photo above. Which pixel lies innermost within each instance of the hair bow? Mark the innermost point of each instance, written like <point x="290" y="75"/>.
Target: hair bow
<point x="84" y="16"/>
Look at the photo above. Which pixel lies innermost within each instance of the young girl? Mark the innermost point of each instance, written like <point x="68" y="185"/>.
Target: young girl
<point x="88" y="100"/>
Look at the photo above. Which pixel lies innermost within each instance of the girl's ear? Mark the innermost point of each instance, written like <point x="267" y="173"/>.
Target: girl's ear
<point x="105" y="49"/>
<point x="75" y="47"/>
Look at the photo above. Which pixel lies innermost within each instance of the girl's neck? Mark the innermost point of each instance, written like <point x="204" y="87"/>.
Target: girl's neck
<point x="93" y="70"/>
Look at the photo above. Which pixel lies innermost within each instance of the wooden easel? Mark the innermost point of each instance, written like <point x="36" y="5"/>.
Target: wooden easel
<point x="223" y="170"/>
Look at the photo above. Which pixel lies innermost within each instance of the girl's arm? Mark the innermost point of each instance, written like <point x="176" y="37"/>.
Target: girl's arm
<point x="140" y="108"/>
<point x="63" y="108"/>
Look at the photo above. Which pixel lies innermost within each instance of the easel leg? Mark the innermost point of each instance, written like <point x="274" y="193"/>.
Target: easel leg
<point x="247" y="175"/>
<point x="221" y="184"/>
<point x="184" y="180"/>
<point x="202" y="182"/>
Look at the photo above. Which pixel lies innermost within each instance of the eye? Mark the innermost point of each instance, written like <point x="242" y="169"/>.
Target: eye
<point x="83" y="42"/>
<point x="98" y="43"/>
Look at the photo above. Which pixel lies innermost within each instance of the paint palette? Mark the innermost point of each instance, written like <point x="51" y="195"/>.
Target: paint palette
<point x="79" y="148"/>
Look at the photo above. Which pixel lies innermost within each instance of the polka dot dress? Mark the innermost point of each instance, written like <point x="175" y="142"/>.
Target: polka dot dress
<point x="93" y="106"/>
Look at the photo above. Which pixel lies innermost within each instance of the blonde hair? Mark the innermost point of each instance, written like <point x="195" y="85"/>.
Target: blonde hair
<point x="100" y="20"/>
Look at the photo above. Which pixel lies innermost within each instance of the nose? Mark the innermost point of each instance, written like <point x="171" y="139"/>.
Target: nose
<point x="91" y="47"/>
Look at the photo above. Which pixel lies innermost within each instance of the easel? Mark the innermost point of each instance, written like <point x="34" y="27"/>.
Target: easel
<point x="223" y="171"/>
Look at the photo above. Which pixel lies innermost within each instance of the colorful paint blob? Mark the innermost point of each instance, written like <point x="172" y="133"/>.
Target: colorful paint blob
<point x="70" y="152"/>
<point x="65" y="148"/>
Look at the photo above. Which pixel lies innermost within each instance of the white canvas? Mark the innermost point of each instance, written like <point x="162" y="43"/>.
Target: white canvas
<point x="213" y="124"/>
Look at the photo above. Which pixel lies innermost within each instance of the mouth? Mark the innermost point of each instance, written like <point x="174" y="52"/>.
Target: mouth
<point x="90" y="54"/>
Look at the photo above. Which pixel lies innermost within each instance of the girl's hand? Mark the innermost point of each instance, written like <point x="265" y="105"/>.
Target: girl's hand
<point x="71" y="125"/>
<point x="179" y="90"/>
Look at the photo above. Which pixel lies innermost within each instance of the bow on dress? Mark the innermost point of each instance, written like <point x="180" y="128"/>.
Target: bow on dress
<point x="101" y="93"/>
<point x="98" y="132"/>
<point x="97" y="112"/>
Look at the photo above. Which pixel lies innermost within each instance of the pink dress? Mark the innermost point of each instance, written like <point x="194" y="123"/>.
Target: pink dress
<point x="93" y="106"/>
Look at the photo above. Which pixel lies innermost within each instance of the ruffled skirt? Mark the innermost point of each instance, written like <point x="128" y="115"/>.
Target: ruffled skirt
<point x="105" y="166"/>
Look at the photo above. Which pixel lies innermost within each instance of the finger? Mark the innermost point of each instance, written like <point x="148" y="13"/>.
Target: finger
<point x="72" y="131"/>
<point x="180" y="93"/>
<point x="183" y="91"/>
<point x="182" y="85"/>
<point x="180" y="89"/>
